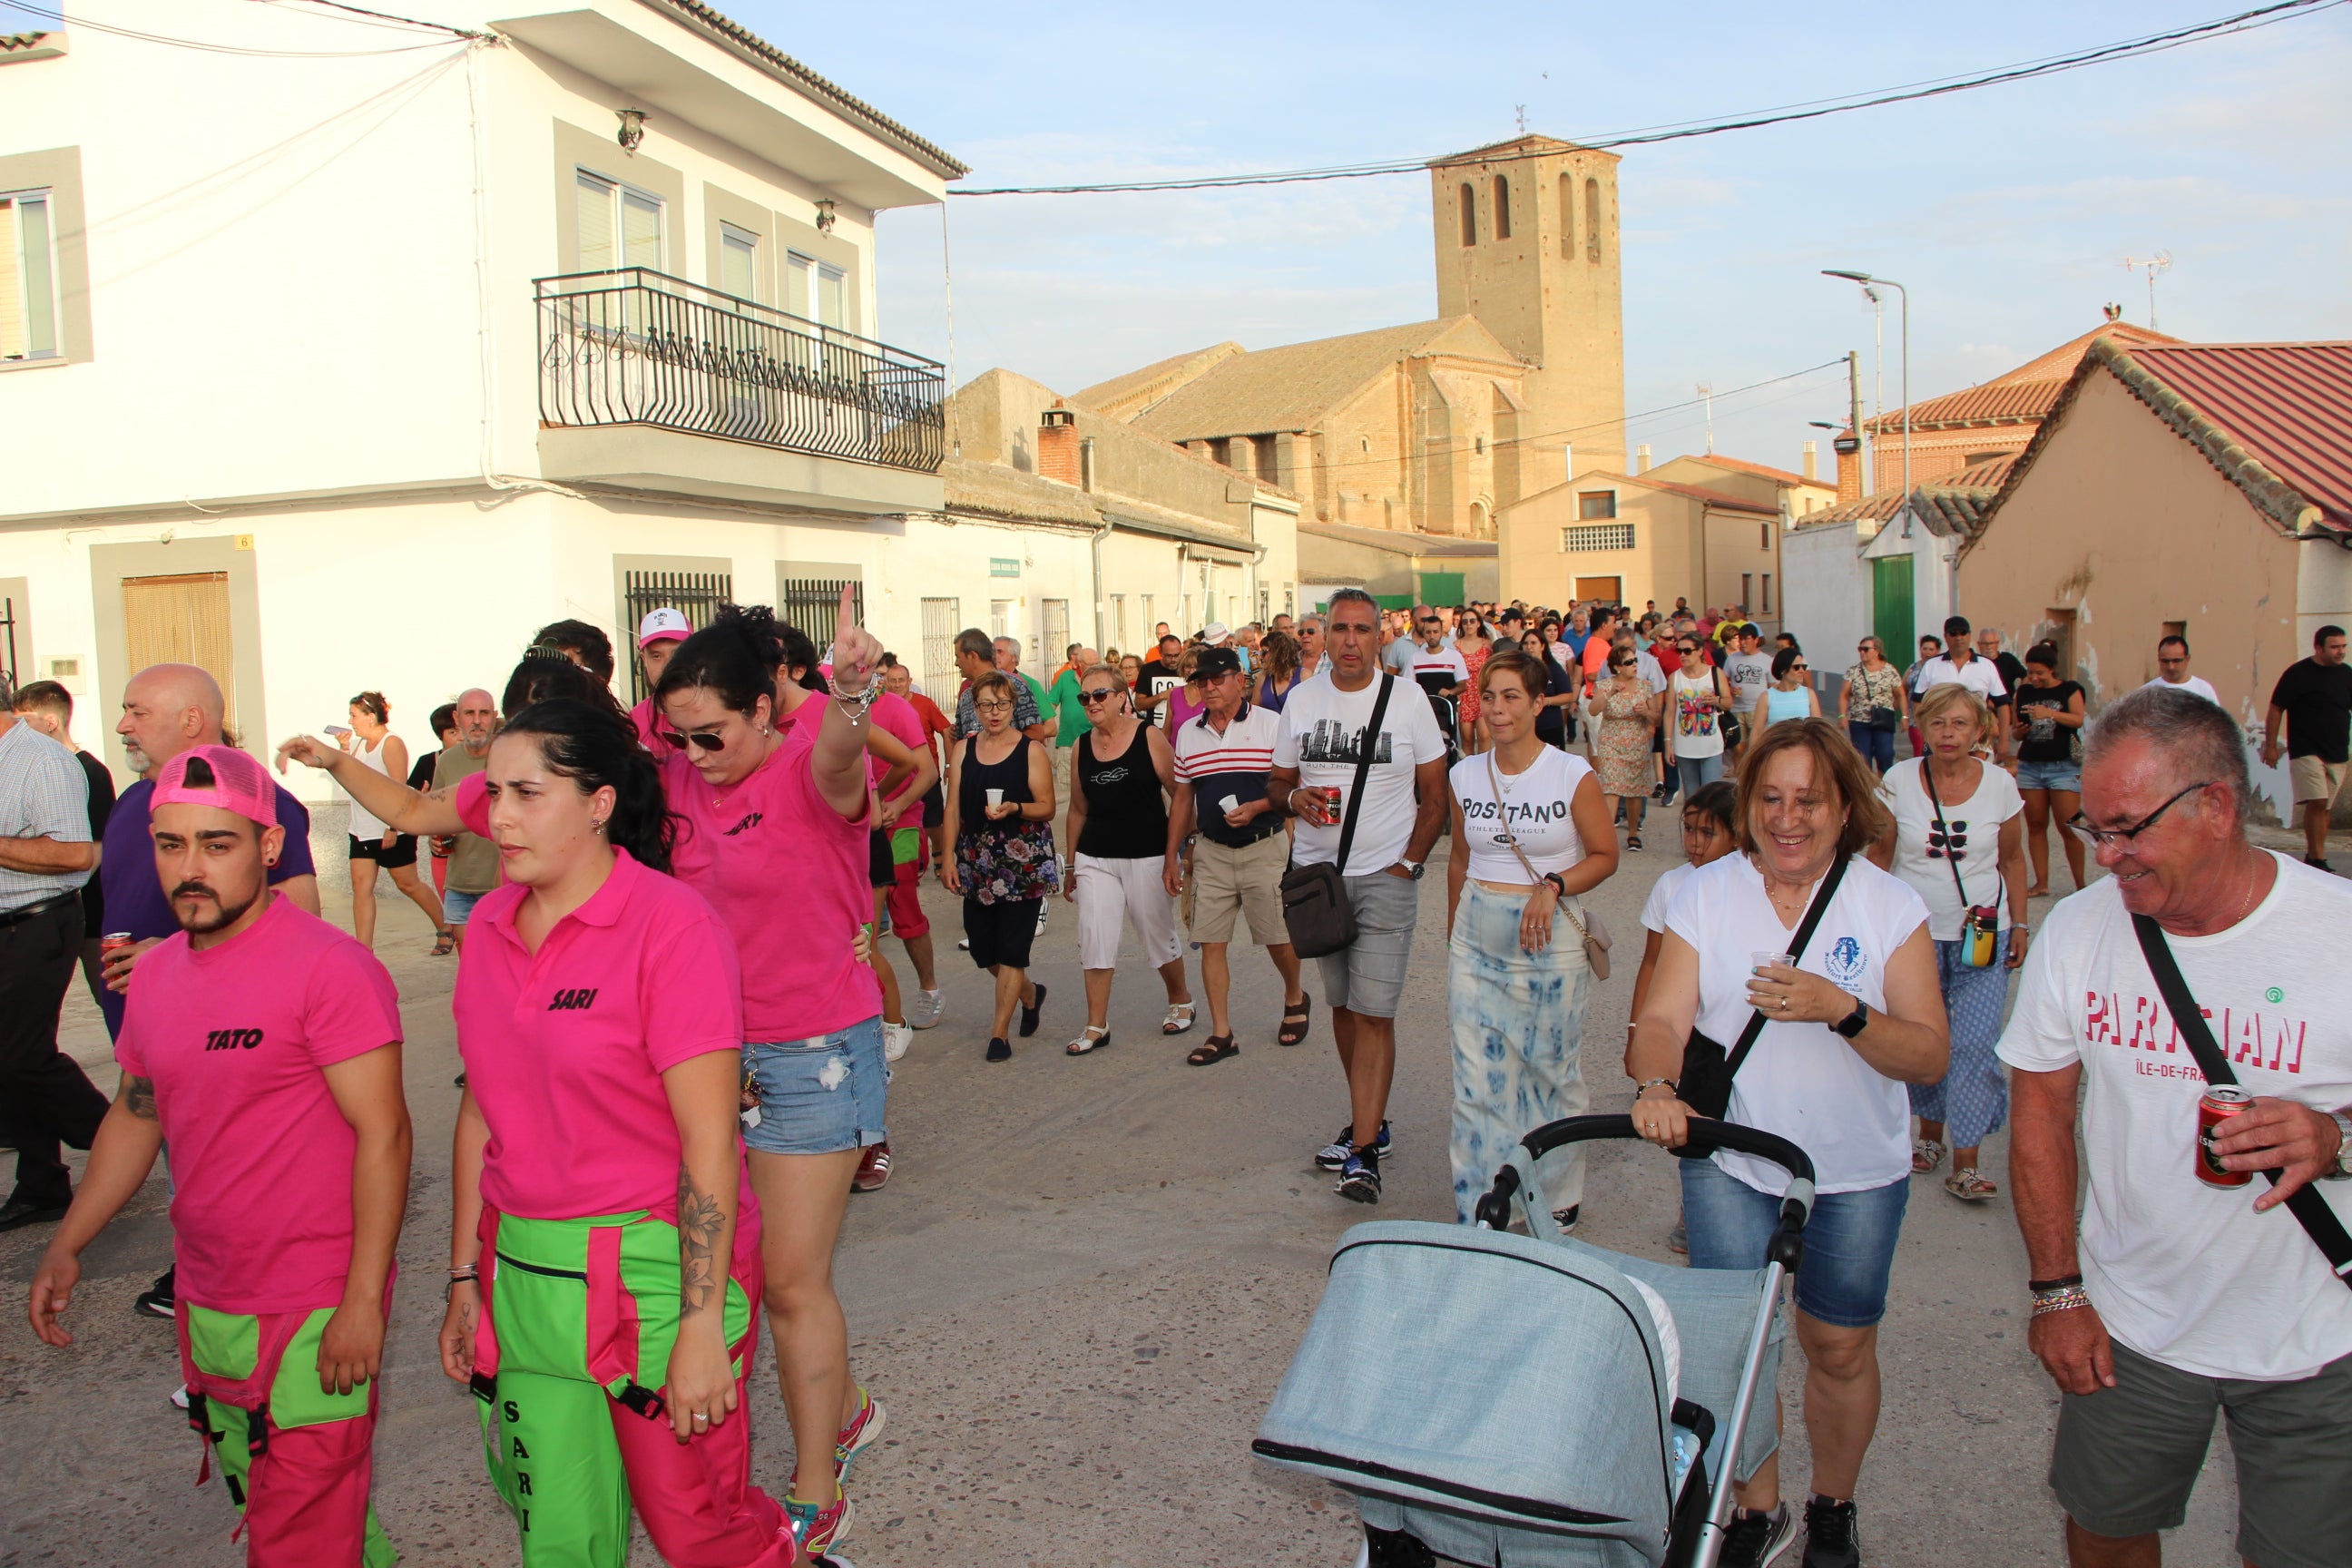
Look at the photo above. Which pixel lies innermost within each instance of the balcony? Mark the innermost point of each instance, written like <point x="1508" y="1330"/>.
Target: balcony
<point x="635" y="348"/>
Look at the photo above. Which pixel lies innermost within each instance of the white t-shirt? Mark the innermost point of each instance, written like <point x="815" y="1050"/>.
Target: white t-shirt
<point x="1749" y="674"/>
<point x="1645" y="664"/>
<point x="1322" y="731"/>
<point x="1444" y="661"/>
<point x="1977" y="819"/>
<point x="1698" y="726"/>
<point x="2196" y="683"/>
<point x="1803" y="1080"/>
<point x="2187" y="1274"/>
<point x="1535" y="806"/>
<point x="1980" y="675"/>
<point x="1398" y="654"/>
<point x="1662" y="898"/>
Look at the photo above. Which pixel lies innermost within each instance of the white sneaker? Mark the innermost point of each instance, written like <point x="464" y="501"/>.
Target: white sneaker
<point x="896" y="1038"/>
<point x="1041" y="918"/>
<point x="180" y="1396"/>
<point x="927" y="1008"/>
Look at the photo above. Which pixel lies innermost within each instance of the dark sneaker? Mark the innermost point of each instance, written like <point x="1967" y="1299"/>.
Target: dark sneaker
<point x="1360" y="1180"/>
<point x="19" y="1211"/>
<point x="1000" y="1050"/>
<point x="1029" y="1013"/>
<point x="1566" y="1218"/>
<point x="2318" y="860"/>
<point x="159" y="1300"/>
<point x="1756" y="1539"/>
<point x="1830" y="1538"/>
<point x="1333" y="1155"/>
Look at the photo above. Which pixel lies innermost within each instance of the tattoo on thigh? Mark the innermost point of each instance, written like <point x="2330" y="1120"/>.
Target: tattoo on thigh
<point x="138" y="1096"/>
<point x="701" y="1219"/>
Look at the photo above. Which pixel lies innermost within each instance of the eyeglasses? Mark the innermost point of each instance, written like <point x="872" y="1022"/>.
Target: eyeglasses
<point x="1091" y="697"/>
<point x="993" y="707"/>
<point x="2127" y="837"/>
<point x="701" y="740"/>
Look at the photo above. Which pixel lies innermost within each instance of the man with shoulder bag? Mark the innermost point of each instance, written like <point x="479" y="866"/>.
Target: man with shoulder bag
<point x="2196" y="1001"/>
<point x="1360" y="762"/>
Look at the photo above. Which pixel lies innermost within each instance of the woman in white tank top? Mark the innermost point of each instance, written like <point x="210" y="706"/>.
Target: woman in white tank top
<point x="374" y="844"/>
<point x="1516" y="978"/>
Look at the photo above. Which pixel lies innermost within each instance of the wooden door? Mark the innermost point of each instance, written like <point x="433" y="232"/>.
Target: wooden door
<point x="183" y="619"/>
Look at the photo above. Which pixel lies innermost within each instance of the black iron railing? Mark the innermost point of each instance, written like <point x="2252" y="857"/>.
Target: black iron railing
<point x="637" y="347"/>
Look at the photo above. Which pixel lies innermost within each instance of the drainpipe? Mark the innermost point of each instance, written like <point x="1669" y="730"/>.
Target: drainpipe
<point x="1093" y="548"/>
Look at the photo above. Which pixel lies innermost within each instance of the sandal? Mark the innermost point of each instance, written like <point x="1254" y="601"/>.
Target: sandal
<point x="1295" y="1021"/>
<point x="1094" y="1038"/>
<point x="1213" y="1049"/>
<point x="1968" y="1187"/>
<point x="1926" y="1155"/>
<point x="1178" y="1020"/>
<point x="1633" y="841"/>
<point x="448" y="944"/>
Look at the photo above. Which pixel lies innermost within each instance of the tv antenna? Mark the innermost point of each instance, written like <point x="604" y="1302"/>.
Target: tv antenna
<point x="2161" y="262"/>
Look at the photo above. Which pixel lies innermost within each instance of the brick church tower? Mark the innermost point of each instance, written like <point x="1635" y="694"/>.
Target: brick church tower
<point x="1526" y="235"/>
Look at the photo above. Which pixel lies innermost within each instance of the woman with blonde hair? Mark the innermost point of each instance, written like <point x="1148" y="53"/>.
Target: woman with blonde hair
<point x="1871" y="704"/>
<point x="999" y="852"/>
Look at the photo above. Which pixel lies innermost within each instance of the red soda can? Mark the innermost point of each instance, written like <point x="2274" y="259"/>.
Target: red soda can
<point x="2222" y="1101"/>
<point x="113" y="940"/>
<point x="1331" y="803"/>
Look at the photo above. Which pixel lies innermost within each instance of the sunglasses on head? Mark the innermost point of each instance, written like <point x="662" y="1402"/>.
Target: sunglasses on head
<point x="701" y="740"/>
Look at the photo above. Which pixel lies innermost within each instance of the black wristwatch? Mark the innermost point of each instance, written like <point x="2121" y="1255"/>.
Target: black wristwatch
<point x="1854" y="1023"/>
<point x="1413" y="868"/>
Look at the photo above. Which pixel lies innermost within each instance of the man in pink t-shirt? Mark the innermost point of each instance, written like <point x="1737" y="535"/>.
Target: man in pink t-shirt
<point x="658" y="636"/>
<point x="265" y="1044"/>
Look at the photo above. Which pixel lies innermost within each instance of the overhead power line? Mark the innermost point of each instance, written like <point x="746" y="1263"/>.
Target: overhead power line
<point x="206" y="46"/>
<point x="359" y="12"/>
<point x="1814" y="108"/>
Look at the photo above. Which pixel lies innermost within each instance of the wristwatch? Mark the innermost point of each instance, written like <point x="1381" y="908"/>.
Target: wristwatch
<point x="1413" y="868"/>
<point x="2343" y="1170"/>
<point x="1854" y="1023"/>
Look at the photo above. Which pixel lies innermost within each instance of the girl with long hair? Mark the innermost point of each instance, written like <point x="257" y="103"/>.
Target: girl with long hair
<point x="373" y="843"/>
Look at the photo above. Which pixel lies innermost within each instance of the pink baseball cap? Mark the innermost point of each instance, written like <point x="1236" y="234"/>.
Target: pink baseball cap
<point x="237" y="783"/>
<point x="664" y="625"/>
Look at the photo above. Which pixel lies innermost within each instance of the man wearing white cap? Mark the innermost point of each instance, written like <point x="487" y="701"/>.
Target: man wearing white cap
<point x="658" y="636"/>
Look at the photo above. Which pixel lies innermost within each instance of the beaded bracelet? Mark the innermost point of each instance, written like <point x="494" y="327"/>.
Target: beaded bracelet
<point x="2065" y="1299"/>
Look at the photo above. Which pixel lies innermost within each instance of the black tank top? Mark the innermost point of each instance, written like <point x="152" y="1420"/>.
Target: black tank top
<point x="1127" y="816"/>
<point x="1010" y="775"/>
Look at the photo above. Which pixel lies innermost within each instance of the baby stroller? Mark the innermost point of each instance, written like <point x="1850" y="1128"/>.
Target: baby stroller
<point x="1535" y="1401"/>
<point x="1448" y="711"/>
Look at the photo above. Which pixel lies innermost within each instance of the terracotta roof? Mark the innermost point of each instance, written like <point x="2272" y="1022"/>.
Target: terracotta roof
<point x="1957" y="505"/>
<point x="1124" y="396"/>
<point x="2274" y="419"/>
<point x="12" y="42"/>
<point x="2021" y="396"/>
<point x="1722" y="499"/>
<point x="1761" y="470"/>
<point x="695" y="14"/>
<point x="1292" y="387"/>
<point x="993" y="491"/>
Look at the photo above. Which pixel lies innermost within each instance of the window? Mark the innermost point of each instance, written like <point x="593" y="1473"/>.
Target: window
<point x="1144" y="628"/>
<point x="1056" y="633"/>
<point x="1502" y="207"/>
<point x="1764" y="536"/>
<point x="1000" y="617"/>
<point x="1746" y="589"/>
<point x="816" y="291"/>
<point x="1469" y="198"/>
<point x="619" y="227"/>
<point x="695" y="594"/>
<point x="1591" y="220"/>
<point x="1597" y="536"/>
<point x="739" y="262"/>
<point x="1568" y="218"/>
<point x="1269" y="461"/>
<point x="1118" y="620"/>
<point x="1768" y="593"/>
<point x="28" y="280"/>
<point x="942" y="619"/>
<point x="1594" y="505"/>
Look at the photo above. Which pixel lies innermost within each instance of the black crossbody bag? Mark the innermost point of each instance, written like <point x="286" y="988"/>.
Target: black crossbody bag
<point x="2310" y="1210"/>
<point x="1314" y="898"/>
<point x="1707" y="1071"/>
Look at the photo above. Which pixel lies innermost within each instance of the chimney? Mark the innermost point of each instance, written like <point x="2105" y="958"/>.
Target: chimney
<point x="1057" y="445"/>
<point x="1642" y="458"/>
<point x="1813" y="457"/>
<point x="1848" y="448"/>
<point x="1087" y="464"/>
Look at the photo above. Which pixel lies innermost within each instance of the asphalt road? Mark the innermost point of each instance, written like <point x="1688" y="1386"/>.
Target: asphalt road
<point x="1075" y="1298"/>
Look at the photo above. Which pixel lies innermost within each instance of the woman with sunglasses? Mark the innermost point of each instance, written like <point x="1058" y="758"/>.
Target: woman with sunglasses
<point x="1955" y="834"/>
<point x="1475" y="644"/>
<point x="1871" y="704"/>
<point x="1626" y="715"/>
<point x="1791" y="695"/>
<point x="1122" y="772"/>
<point x="999" y="852"/>
<point x="1696" y="699"/>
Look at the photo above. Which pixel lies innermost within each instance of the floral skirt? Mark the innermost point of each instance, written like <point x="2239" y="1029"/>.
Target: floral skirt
<point x="1002" y="864"/>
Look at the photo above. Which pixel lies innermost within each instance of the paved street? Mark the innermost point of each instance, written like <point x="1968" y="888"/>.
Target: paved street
<point x="1076" y="1297"/>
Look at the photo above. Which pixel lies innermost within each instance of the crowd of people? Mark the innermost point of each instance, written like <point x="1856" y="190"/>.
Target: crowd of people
<point x="669" y="1094"/>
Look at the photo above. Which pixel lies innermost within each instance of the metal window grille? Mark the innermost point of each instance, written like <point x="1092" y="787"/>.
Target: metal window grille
<point x="697" y="596"/>
<point x="1118" y="620"/>
<point x="9" y="642"/>
<point x="1597" y="536"/>
<point x="814" y="605"/>
<point x="1057" y="634"/>
<point x="941" y="621"/>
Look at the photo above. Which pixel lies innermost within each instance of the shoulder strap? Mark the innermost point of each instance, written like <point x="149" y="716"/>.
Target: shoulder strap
<point x="1503" y="820"/>
<point x="1927" y="777"/>
<point x="1813" y="913"/>
<point x="1363" y="770"/>
<point x="2312" y="1211"/>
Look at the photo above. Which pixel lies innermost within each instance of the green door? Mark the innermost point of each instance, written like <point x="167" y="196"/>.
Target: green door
<point x="1441" y="588"/>
<point x="1890" y="613"/>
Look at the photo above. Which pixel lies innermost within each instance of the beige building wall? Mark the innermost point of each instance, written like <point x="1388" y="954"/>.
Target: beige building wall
<point x="1681" y="546"/>
<point x="2120" y="526"/>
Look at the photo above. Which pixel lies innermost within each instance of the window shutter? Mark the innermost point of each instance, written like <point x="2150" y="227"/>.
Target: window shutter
<point x="640" y="231"/>
<point x="12" y="315"/>
<point x="593" y="201"/>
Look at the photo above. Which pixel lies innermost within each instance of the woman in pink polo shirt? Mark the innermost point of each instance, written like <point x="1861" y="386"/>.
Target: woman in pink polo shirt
<point x="776" y="817"/>
<point x="606" y="1258"/>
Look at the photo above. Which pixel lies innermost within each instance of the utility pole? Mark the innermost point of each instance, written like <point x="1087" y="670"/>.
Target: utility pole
<point x="1706" y="393"/>
<point x="1853" y="396"/>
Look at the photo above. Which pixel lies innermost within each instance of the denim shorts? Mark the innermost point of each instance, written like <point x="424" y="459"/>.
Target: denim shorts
<point x="457" y="906"/>
<point x="2067" y="776"/>
<point x="1849" y="1240"/>
<point x="819" y="1096"/>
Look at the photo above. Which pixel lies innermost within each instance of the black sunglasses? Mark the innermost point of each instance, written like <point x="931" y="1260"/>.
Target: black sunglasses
<point x="701" y="740"/>
<point x="1104" y="695"/>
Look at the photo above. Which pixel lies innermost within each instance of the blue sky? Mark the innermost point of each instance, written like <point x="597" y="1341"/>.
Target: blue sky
<point x="2007" y="211"/>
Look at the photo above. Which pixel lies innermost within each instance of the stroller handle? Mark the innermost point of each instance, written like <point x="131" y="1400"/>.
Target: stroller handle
<point x="1706" y="1136"/>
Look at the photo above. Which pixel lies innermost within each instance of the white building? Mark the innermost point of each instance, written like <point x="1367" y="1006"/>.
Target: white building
<point x="351" y="360"/>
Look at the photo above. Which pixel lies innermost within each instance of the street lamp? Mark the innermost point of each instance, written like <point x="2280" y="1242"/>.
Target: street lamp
<point x="1867" y="279"/>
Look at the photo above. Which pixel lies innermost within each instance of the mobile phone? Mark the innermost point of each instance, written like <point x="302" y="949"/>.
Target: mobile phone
<point x="339" y="731"/>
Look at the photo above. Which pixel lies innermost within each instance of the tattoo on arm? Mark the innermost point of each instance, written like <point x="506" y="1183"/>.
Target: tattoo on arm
<point x="701" y="1272"/>
<point x="138" y="1096"/>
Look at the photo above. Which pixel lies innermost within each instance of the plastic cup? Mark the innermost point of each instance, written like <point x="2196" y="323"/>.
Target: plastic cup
<point x="995" y="798"/>
<point x="1230" y="805"/>
<point x="1761" y="961"/>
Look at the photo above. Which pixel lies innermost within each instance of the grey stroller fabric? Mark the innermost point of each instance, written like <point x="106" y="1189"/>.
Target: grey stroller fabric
<point x="1506" y="1399"/>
